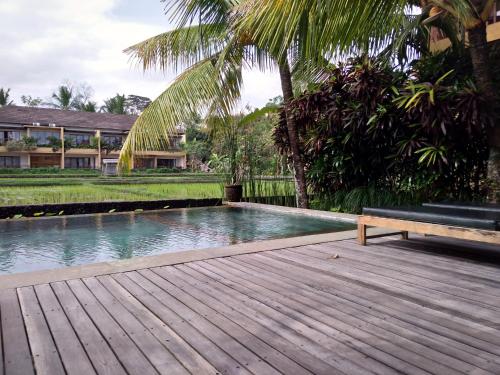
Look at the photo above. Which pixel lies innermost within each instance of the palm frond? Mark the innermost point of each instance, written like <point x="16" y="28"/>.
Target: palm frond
<point x="321" y="28"/>
<point x="200" y="88"/>
<point x="189" y="12"/>
<point x="179" y="48"/>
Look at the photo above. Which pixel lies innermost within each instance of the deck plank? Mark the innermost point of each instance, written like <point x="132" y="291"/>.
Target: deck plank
<point x="146" y="293"/>
<point x="45" y="355"/>
<point x="384" y="320"/>
<point x="381" y="345"/>
<point x="100" y="353"/>
<point x="448" y="276"/>
<point x="445" y="324"/>
<point x="347" y="360"/>
<point x="253" y="343"/>
<point x="72" y="354"/>
<point x="239" y="352"/>
<point x="436" y="299"/>
<point x="223" y="305"/>
<point x="16" y="352"/>
<point x="184" y="353"/>
<point x="125" y="349"/>
<point x="159" y="356"/>
<point x="413" y="307"/>
<point x="455" y="285"/>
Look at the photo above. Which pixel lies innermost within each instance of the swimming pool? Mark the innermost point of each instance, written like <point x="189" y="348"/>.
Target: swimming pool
<point x="37" y="244"/>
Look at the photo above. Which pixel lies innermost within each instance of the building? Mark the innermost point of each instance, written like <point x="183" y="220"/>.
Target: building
<point x="31" y="138"/>
<point x="439" y="42"/>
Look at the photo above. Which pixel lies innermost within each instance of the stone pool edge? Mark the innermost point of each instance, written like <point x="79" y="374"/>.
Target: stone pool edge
<point x="346" y="218"/>
<point x="105" y="268"/>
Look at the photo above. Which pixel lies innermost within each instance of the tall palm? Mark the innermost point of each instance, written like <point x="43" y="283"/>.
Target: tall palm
<point x="210" y="53"/>
<point x="5" y="97"/>
<point x="88" y="106"/>
<point x="319" y="29"/>
<point x="64" y="98"/>
<point x="116" y="104"/>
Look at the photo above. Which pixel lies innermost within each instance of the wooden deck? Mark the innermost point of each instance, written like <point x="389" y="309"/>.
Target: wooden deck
<point x="412" y="307"/>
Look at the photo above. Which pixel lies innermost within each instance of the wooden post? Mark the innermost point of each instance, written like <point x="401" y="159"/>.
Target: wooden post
<point x="62" y="148"/>
<point x="362" y="234"/>
<point x="99" y="156"/>
<point x="404" y="235"/>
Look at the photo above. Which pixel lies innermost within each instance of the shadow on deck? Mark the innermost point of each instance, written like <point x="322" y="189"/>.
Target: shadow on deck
<point x="416" y="307"/>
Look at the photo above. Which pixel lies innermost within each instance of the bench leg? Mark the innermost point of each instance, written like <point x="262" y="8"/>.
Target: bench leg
<point x="362" y="234"/>
<point x="404" y="235"/>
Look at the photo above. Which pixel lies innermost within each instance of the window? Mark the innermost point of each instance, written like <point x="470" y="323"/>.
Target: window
<point x="78" y="139"/>
<point x="113" y="140"/>
<point x="42" y="136"/>
<point x="10" y="162"/>
<point x="495" y="13"/>
<point x="9" y="135"/>
<point x="166" y="163"/>
<point x="78" y="163"/>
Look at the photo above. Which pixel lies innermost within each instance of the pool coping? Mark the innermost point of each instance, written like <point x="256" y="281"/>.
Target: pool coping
<point x="104" y="268"/>
<point x="347" y="218"/>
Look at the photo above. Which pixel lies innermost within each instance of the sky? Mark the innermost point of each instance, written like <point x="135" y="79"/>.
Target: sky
<point x="47" y="43"/>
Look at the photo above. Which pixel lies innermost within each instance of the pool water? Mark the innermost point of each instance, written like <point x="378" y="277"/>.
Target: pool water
<point x="36" y="244"/>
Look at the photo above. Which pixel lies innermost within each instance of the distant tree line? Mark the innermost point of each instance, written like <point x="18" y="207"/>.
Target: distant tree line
<point x="72" y="97"/>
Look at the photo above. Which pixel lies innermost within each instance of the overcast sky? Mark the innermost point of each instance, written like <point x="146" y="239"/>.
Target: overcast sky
<point x="45" y="43"/>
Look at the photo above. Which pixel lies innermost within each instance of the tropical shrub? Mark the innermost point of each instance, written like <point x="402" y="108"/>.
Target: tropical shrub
<point x="370" y="127"/>
<point x="25" y="144"/>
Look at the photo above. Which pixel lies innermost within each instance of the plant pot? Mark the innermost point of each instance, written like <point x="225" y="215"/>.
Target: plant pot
<point x="233" y="193"/>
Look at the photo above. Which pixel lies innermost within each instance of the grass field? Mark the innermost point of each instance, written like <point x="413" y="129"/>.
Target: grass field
<point x="53" y="190"/>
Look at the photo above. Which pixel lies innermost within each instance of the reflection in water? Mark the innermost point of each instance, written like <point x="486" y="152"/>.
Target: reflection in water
<point x="28" y="245"/>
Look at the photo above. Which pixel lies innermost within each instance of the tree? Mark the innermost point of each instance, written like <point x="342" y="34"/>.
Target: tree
<point x="137" y="104"/>
<point x="64" y="98"/>
<point x="30" y="101"/>
<point x="5" y="97"/>
<point x="88" y="106"/>
<point x="116" y="104"/>
<point x="210" y="52"/>
<point x="317" y="29"/>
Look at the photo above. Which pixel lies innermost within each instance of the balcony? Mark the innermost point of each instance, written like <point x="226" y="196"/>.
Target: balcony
<point x="438" y="42"/>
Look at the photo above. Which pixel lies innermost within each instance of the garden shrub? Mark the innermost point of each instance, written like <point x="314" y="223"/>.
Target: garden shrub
<point x="372" y="129"/>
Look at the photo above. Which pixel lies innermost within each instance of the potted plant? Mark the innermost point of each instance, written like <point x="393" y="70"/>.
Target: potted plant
<point x="229" y="164"/>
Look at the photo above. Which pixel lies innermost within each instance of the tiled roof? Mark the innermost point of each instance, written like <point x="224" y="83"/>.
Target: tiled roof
<point x="62" y="118"/>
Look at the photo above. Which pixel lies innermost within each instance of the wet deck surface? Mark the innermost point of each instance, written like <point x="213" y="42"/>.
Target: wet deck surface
<point x="412" y="307"/>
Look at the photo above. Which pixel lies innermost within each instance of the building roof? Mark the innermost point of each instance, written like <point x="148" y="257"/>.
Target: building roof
<point x="63" y="118"/>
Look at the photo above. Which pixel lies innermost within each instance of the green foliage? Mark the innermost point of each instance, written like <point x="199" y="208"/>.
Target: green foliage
<point x="198" y="144"/>
<point x="25" y="144"/>
<point x="64" y="98"/>
<point x="44" y="172"/>
<point x="371" y="128"/>
<point x="5" y="97"/>
<point x="47" y="191"/>
<point x="30" y="101"/>
<point x="88" y="107"/>
<point x="353" y="200"/>
<point x="116" y="104"/>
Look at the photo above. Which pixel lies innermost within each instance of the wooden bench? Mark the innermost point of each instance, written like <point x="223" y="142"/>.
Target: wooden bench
<point x="477" y="223"/>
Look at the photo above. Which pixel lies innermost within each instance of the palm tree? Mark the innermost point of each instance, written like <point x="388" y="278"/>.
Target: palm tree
<point x="4" y="97"/>
<point x="211" y="53"/>
<point x="116" y="104"/>
<point x="317" y="29"/>
<point x="88" y="106"/>
<point x="64" y="98"/>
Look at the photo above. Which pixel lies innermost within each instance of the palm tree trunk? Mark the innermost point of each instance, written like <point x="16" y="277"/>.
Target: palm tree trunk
<point x="293" y="137"/>
<point x="482" y="73"/>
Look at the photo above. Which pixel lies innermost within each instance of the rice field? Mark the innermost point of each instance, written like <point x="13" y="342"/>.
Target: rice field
<point x="95" y="192"/>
